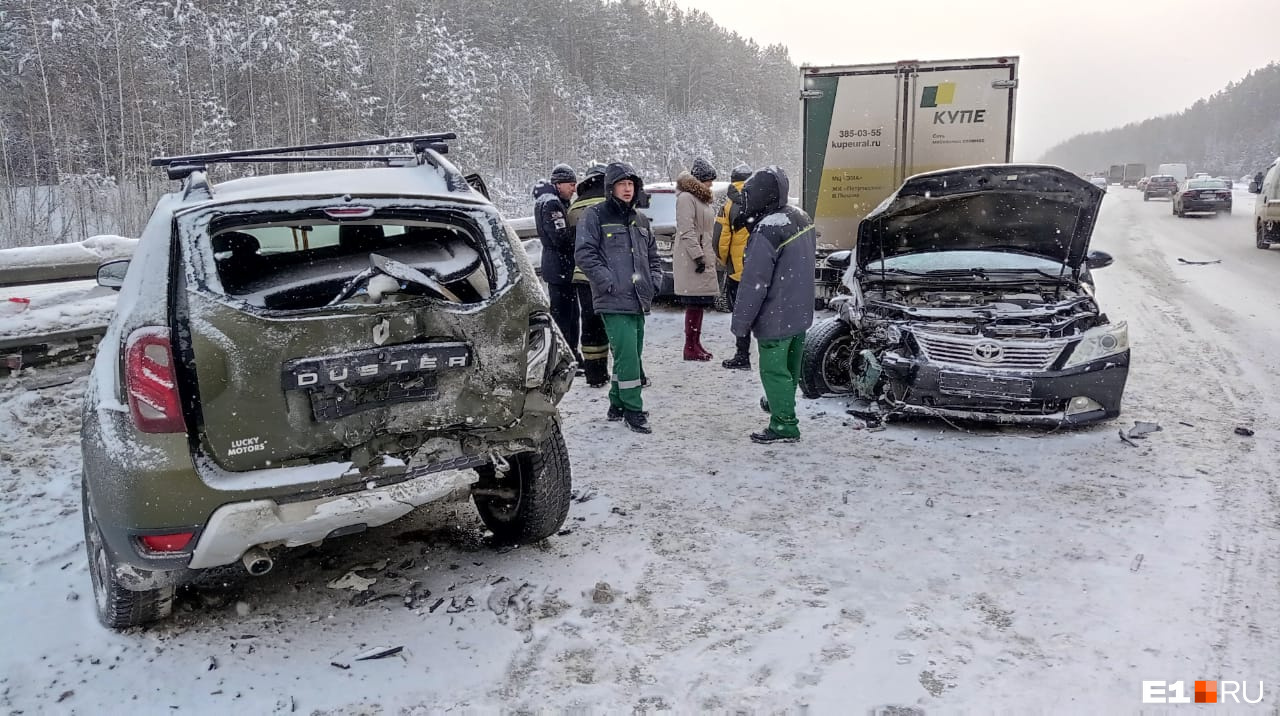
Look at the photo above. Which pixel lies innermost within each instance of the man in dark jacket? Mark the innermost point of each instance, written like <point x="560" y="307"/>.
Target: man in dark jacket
<point x="775" y="295"/>
<point x="731" y="245"/>
<point x="551" y="217"/>
<point x="595" y="341"/>
<point x="617" y="252"/>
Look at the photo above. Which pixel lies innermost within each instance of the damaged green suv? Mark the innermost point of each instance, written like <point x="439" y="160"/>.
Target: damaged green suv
<point x="300" y="356"/>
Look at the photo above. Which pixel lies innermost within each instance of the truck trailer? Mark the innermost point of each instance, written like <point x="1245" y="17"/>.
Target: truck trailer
<point x="867" y="128"/>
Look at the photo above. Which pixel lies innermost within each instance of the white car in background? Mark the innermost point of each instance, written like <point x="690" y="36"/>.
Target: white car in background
<point x="1100" y="182"/>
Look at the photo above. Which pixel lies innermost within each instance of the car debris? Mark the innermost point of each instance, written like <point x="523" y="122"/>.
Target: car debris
<point x="379" y="652"/>
<point x="1137" y="563"/>
<point x="344" y="667"/>
<point x="502" y="595"/>
<point x="1125" y="439"/>
<point x="1246" y="432"/>
<point x="1199" y="263"/>
<point x="1141" y="429"/>
<point x="352" y="581"/>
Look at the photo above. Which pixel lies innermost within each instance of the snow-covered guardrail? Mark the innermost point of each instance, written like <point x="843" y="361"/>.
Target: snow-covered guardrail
<point x="61" y="262"/>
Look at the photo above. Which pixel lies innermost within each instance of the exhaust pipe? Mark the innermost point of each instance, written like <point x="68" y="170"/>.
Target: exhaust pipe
<point x="257" y="561"/>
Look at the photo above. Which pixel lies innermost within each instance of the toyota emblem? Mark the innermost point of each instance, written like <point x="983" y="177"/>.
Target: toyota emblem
<point x="988" y="352"/>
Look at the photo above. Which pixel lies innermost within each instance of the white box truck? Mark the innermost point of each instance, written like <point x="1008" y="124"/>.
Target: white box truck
<point x="869" y="127"/>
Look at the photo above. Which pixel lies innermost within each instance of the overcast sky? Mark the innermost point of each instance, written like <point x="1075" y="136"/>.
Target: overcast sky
<point x="1086" y="64"/>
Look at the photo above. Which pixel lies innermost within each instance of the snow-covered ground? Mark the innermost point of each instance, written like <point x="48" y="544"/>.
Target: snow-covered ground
<point x="922" y="566"/>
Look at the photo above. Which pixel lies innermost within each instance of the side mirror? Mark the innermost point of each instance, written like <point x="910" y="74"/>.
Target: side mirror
<point x="111" y="274"/>
<point x="1255" y="187"/>
<point x="840" y="260"/>
<point x="1099" y="259"/>
<point x="477" y="183"/>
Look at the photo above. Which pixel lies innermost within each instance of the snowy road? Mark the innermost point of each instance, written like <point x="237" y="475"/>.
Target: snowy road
<point x="919" y="566"/>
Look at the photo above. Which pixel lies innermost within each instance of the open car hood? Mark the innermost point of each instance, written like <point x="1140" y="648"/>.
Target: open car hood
<point x="1032" y="209"/>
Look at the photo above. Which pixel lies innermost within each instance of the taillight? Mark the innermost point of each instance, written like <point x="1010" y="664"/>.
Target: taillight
<point x="175" y="542"/>
<point x="151" y="382"/>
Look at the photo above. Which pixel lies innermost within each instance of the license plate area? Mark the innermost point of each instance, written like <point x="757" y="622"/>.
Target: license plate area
<point x="985" y="386"/>
<point x="335" y="401"/>
<point x="341" y="385"/>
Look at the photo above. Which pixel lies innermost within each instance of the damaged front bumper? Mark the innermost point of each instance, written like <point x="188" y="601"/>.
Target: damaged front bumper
<point x="1075" y="396"/>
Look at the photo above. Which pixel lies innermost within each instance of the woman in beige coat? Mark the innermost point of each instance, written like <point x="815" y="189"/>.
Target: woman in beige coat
<point x="694" y="254"/>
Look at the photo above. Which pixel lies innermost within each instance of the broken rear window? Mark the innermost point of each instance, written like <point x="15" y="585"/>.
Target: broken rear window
<point x="304" y="263"/>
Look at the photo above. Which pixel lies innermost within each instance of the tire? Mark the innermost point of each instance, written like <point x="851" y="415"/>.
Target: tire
<point x="117" y="606"/>
<point x="542" y="482"/>
<point x="1146" y="197"/>
<point x="826" y="366"/>
<point x="1261" y="239"/>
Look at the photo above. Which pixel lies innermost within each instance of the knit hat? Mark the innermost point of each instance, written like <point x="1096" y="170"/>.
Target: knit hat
<point x="742" y="172"/>
<point x="702" y="170"/>
<point x="563" y="173"/>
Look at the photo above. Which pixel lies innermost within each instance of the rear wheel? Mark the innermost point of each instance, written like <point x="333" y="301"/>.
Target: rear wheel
<point x="529" y="500"/>
<point x="827" y="363"/>
<point x="117" y="606"/>
<point x="1262" y="238"/>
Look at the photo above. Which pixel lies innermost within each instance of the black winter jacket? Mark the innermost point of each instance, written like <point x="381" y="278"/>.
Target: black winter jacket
<point x="617" y="251"/>
<point x="551" y="218"/>
<point x="776" y="294"/>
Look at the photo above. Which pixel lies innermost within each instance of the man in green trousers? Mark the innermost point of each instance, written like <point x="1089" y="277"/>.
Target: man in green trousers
<point x="775" y="295"/>
<point x="617" y="251"/>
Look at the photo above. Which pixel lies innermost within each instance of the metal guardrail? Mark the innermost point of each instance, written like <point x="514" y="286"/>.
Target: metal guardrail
<point x="44" y="349"/>
<point x="30" y="275"/>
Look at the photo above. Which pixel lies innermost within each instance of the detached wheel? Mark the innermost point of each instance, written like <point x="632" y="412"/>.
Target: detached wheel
<point x="827" y="363"/>
<point x="118" y="607"/>
<point x="529" y="501"/>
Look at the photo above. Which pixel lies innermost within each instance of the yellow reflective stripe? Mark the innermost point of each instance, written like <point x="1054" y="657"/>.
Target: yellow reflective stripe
<point x="796" y="236"/>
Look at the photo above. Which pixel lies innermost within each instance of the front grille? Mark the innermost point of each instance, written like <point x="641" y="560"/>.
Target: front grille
<point x="981" y="352"/>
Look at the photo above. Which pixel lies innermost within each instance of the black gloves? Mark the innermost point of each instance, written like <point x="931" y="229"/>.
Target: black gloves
<point x="700" y="265"/>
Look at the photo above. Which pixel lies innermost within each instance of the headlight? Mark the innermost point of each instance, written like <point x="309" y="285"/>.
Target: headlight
<point x="541" y="342"/>
<point x="1098" y="343"/>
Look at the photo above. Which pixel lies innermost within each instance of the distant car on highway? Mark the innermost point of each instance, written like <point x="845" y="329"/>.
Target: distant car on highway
<point x="1142" y="183"/>
<point x="1100" y="182"/>
<point x="1204" y="195"/>
<point x="1161" y="185"/>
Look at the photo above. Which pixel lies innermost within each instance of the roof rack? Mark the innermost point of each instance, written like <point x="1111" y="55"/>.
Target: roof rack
<point x="183" y="166"/>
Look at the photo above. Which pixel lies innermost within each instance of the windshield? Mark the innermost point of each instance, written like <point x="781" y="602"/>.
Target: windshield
<point x="968" y="261"/>
<point x="662" y="208"/>
<point x="1206" y="184"/>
